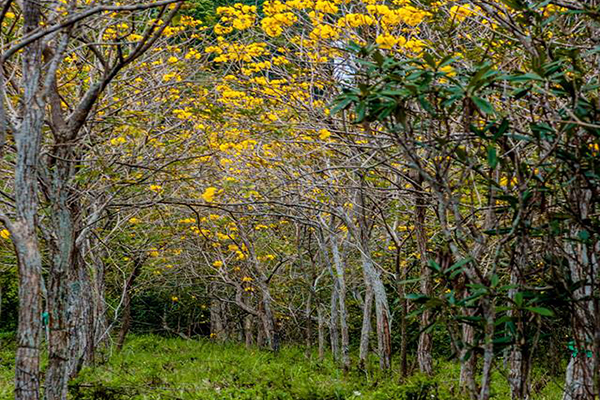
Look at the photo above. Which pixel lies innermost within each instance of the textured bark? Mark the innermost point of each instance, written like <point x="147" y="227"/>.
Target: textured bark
<point x="365" y="332"/>
<point x="80" y="322"/>
<point x="334" y="334"/>
<point x="519" y="360"/>
<point x="373" y="278"/>
<point x="580" y="382"/>
<point x="217" y="329"/>
<point x="468" y="361"/>
<point x="127" y="295"/>
<point x="425" y="345"/>
<point x="321" y="332"/>
<point x="60" y="274"/>
<point x="340" y="280"/>
<point x="23" y="230"/>
<point x="248" y="326"/>
<point x="267" y="318"/>
<point x="488" y="349"/>
<point x="401" y="275"/>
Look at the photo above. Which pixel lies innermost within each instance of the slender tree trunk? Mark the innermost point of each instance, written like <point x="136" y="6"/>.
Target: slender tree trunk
<point x="425" y="346"/>
<point x="468" y="361"/>
<point x="80" y="315"/>
<point x="308" y="329"/>
<point x="365" y="332"/>
<point x="23" y="230"/>
<point x="584" y="268"/>
<point x="217" y="328"/>
<point x="488" y="349"/>
<point x="267" y="318"/>
<point x="518" y="376"/>
<point x="343" y="313"/>
<point x="401" y="274"/>
<point x="334" y="334"/>
<point x="127" y="295"/>
<point x="321" y="332"/>
<point x="248" y="324"/>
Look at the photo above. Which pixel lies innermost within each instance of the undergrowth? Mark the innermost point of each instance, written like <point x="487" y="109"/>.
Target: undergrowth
<point x="152" y="367"/>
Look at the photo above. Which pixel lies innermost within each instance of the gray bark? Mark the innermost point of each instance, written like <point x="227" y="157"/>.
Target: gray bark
<point x="365" y="332"/>
<point x="321" y="332"/>
<point x="340" y="280"/>
<point x="23" y="230"/>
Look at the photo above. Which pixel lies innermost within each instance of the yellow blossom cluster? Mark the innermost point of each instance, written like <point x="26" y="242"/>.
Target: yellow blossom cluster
<point x="239" y="16"/>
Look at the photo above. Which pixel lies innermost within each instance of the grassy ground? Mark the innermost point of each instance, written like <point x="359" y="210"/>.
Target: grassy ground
<point x="151" y="367"/>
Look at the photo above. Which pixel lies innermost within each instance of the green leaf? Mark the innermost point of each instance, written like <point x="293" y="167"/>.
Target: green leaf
<point x="483" y="105"/>
<point x="433" y="265"/>
<point x="541" y="310"/>
<point x="492" y="158"/>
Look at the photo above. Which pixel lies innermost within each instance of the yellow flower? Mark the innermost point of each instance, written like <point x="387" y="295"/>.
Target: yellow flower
<point x="209" y="194"/>
<point x="4" y="234"/>
<point x="247" y="279"/>
<point x="134" y="220"/>
<point x="172" y="59"/>
<point x="218" y="264"/>
<point x="387" y="41"/>
<point x="117" y="141"/>
<point x="324" y="134"/>
<point x="460" y="12"/>
<point x="156" y="188"/>
<point x="174" y="298"/>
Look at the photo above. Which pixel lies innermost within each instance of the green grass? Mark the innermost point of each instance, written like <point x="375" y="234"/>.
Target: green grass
<point x="151" y="367"/>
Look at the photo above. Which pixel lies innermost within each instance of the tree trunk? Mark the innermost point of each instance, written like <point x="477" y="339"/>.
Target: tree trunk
<point x="425" y="346"/>
<point x="267" y="318"/>
<point x="217" y="330"/>
<point x="584" y="268"/>
<point x="519" y="360"/>
<point x="339" y="276"/>
<point x="468" y="361"/>
<point x="249" y="338"/>
<point x="60" y="277"/>
<point x="80" y="313"/>
<point x="334" y="334"/>
<point x="365" y="332"/>
<point x="321" y="329"/>
<point x="23" y="230"/>
<point x="127" y="295"/>
<point x="488" y="349"/>
<point x="401" y="274"/>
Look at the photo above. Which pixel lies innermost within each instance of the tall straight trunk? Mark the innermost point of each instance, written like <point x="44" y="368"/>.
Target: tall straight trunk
<point x="425" y="345"/>
<point x="61" y="271"/>
<point x="401" y="274"/>
<point x="267" y="317"/>
<point x="343" y="313"/>
<point x="468" y="361"/>
<point x="519" y="360"/>
<point x="100" y="324"/>
<point x="23" y="229"/>
<point x="80" y="314"/>
<point x="581" y="376"/>
<point x="334" y="334"/>
<point x="321" y="332"/>
<point x="248" y="324"/>
<point x="308" y="327"/>
<point x="488" y="349"/>
<point x="365" y="332"/>
<point x="217" y="329"/>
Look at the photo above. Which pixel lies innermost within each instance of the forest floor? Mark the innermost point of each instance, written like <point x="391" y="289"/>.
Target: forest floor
<point x="151" y="367"/>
